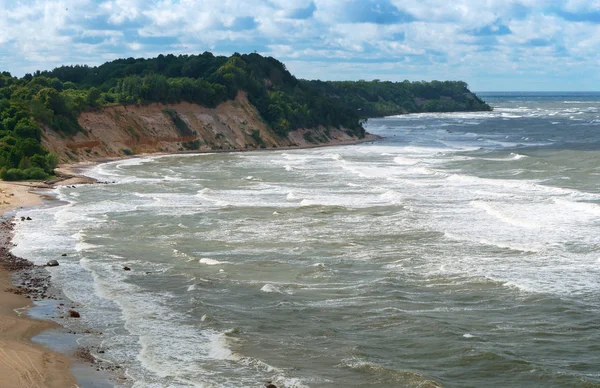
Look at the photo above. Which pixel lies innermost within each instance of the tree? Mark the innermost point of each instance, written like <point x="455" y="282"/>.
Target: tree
<point x="52" y="100"/>
<point x="26" y="128"/>
<point x="51" y="162"/>
<point x="29" y="147"/>
<point x="93" y="96"/>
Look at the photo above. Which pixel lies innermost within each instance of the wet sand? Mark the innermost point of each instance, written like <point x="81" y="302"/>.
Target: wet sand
<point x="22" y="362"/>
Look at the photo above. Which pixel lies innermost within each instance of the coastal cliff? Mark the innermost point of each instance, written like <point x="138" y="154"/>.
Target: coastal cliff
<point x="193" y="103"/>
<point x="119" y="130"/>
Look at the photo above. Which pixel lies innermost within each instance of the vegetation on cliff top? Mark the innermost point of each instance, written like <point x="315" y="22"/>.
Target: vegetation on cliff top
<point x="56" y="98"/>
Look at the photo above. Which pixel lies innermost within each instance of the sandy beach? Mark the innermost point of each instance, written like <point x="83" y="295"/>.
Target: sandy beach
<point x="19" y="194"/>
<point x="22" y="362"/>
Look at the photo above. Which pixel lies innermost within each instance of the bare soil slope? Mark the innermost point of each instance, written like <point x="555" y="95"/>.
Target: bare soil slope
<point x="124" y="130"/>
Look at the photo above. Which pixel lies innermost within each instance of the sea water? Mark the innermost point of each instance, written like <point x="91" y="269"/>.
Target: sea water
<point x="462" y="250"/>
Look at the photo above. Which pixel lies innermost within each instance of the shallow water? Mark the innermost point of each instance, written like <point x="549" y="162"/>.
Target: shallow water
<point x="461" y="250"/>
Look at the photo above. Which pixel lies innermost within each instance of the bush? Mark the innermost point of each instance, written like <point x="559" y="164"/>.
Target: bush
<point x="128" y="152"/>
<point x="66" y="125"/>
<point x="358" y="132"/>
<point x="192" y="145"/>
<point x="108" y="98"/>
<point x="15" y="174"/>
<point x="308" y="136"/>
<point x="181" y="125"/>
<point x="35" y="173"/>
<point x="12" y="174"/>
<point x="51" y="162"/>
<point x="258" y="139"/>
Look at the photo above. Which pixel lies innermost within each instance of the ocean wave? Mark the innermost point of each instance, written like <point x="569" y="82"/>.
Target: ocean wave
<point x="514" y="246"/>
<point x="515" y="156"/>
<point x="291" y="196"/>
<point x="586" y="209"/>
<point x="270" y="288"/>
<point x="392" y="196"/>
<point x="208" y="261"/>
<point x="521" y="186"/>
<point x="496" y="211"/>
<point x="404" y="161"/>
<point x="389" y="376"/>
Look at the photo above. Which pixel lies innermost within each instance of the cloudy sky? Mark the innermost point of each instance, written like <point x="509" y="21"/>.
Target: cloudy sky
<point x="491" y="44"/>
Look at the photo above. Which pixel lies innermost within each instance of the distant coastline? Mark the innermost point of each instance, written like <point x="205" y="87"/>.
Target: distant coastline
<point x="193" y="103"/>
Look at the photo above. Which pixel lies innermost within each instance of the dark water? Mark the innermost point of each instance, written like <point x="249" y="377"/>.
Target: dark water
<point x="460" y="251"/>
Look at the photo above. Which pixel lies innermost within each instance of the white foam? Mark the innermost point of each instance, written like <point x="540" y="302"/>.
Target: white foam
<point x="212" y="196"/>
<point x="308" y="202"/>
<point x="85" y="247"/>
<point x="183" y="255"/>
<point x="585" y="209"/>
<point x="526" y="187"/>
<point x="218" y="349"/>
<point x="270" y="288"/>
<point x="404" y="161"/>
<point x="500" y="244"/>
<point x="169" y="178"/>
<point x="290" y="382"/>
<point x="208" y="261"/>
<point x="392" y="196"/>
<point x="504" y="216"/>
<point x="136" y="161"/>
<point x="515" y="156"/>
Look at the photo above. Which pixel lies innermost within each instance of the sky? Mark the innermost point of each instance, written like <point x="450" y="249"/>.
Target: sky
<point x="493" y="45"/>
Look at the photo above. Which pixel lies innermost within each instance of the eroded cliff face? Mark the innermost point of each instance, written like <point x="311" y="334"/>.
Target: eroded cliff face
<point x="125" y="130"/>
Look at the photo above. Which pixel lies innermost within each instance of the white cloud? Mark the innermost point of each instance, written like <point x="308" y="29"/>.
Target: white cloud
<point x="582" y="5"/>
<point x="464" y="38"/>
<point x="120" y="11"/>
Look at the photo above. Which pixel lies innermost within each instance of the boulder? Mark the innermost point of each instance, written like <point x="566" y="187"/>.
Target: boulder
<point x="126" y="268"/>
<point x="28" y="218"/>
<point x="64" y="254"/>
<point x="74" y="314"/>
<point x="52" y="263"/>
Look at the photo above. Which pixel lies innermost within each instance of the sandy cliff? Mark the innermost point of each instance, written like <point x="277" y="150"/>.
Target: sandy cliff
<point x="122" y="130"/>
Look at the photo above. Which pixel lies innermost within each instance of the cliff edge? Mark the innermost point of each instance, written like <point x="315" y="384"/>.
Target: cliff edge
<point x="234" y="125"/>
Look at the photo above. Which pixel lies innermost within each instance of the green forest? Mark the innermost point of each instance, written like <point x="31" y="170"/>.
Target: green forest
<point x="56" y="98"/>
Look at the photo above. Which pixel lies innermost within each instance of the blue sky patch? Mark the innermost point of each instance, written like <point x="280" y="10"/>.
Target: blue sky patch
<point x="496" y="28"/>
<point x="303" y="13"/>
<point x="591" y="17"/>
<point x="374" y="11"/>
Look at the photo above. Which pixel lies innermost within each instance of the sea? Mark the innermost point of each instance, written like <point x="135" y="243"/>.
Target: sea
<point x="460" y="250"/>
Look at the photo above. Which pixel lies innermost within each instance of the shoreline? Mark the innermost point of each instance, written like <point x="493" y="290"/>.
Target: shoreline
<point x="71" y="173"/>
<point x="24" y="362"/>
